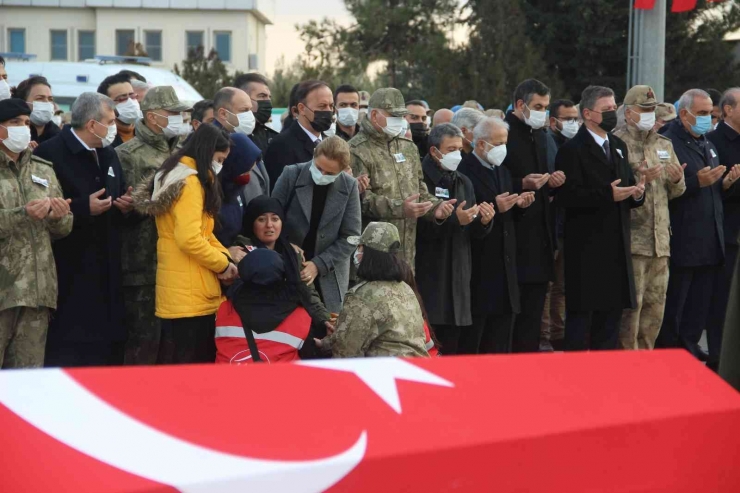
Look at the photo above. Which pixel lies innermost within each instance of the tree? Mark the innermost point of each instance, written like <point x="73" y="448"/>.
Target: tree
<point x="206" y="74"/>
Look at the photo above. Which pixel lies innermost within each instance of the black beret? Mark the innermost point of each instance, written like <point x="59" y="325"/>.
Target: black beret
<point x="12" y="108"/>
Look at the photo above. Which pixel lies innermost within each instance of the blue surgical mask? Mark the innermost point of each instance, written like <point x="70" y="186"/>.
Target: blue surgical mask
<point x="703" y="124"/>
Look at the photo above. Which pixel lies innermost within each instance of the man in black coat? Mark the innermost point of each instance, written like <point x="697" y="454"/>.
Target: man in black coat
<point x="87" y="329"/>
<point x="494" y="286"/>
<point x="526" y="160"/>
<point x="597" y="199"/>
<point x="258" y="90"/>
<point x="297" y="143"/>
<point x="443" y="262"/>
<point x="698" y="241"/>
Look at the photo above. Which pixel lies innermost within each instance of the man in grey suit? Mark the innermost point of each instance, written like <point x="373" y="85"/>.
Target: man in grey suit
<point x="322" y="209"/>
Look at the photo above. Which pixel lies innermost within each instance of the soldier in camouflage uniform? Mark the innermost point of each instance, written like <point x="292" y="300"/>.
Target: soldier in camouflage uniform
<point x="380" y="317"/>
<point x="397" y="192"/>
<point x="33" y="212"/>
<point x="652" y="155"/>
<point x="141" y="157"/>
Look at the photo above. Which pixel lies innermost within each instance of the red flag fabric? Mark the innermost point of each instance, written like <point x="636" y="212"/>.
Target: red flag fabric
<point x="644" y="4"/>
<point x="683" y="5"/>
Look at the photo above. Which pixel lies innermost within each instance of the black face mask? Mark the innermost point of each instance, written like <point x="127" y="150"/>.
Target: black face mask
<point x="264" y="111"/>
<point x="608" y="120"/>
<point x="322" y="120"/>
<point x="418" y="130"/>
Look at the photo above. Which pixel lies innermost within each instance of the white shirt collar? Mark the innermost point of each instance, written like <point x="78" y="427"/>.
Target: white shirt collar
<point x="598" y="138"/>
<point x="312" y="136"/>
<point x="82" y="141"/>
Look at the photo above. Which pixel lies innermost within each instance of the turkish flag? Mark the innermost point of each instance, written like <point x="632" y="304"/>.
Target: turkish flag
<point x="644" y="4"/>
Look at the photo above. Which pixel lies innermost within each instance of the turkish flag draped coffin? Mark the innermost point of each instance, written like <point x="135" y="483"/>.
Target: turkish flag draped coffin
<point x="606" y="422"/>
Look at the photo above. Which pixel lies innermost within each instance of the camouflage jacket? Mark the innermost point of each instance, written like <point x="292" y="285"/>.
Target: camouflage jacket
<point x="391" y="182"/>
<point x="28" y="275"/>
<point x="651" y="223"/>
<point x="380" y="318"/>
<point x="140" y="157"/>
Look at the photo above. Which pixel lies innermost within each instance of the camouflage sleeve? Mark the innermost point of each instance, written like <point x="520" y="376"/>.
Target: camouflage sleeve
<point x="11" y="219"/>
<point x="58" y="228"/>
<point x="424" y="194"/>
<point x="375" y="206"/>
<point x="356" y="329"/>
<point x="675" y="189"/>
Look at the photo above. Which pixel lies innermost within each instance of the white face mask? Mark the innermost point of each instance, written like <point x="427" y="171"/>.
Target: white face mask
<point x="4" y="89"/>
<point x="57" y="119"/>
<point x="451" y="160"/>
<point x="42" y="113"/>
<point x="356" y="258"/>
<point x="647" y="121"/>
<point x="405" y="128"/>
<point x="320" y="178"/>
<point x="496" y="155"/>
<point x="536" y="119"/>
<point x="18" y="138"/>
<point x="570" y="129"/>
<point x="110" y="135"/>
<point x="332" y="130"/>
<point x="216" y="167"/>
<point x="394" y="125"/>
<point x="186" y="129"/>
<point x="128" y="111"/>
<point x="247" y="122"/>
<point x="348" y="116"/>
<point x="174" y="126"/>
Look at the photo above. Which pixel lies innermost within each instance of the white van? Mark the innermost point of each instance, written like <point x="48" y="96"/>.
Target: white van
<point x="68" y="79"/>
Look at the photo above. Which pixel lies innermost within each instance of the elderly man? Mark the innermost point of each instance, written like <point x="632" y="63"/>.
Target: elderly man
<point x="597" y="198"/>
<point x="32" y="214"/>
<point x="466" y="119"/>
<point x="157" y="138"/>
<point x="88" y="329"/>
<point x="443" y="262"/>
<point x="650" y="155"/>
<point x="396" y="192"/>
<point x="697" y="243"/>
<point x="441" y="116"/>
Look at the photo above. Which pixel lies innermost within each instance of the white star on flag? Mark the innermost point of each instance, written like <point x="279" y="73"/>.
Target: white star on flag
<point x="380" y="374"/>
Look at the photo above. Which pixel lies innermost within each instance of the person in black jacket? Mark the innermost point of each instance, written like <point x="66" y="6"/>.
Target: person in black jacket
<point x="726" y="140"/>
<point x="698" y="242"/>
<point x="526" y="160"/>
<point x="597" y="198"/>
<point x="443" y="262"/>
<point x="257" y="88"/>
<point x="494" y="287"/>
<point x="87" y="329"/>
<point x="315" y="115"/>
<point x="36" y="91"/>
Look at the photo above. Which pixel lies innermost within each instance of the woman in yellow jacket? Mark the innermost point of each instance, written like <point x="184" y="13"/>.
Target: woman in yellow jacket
<point x="185" y="196"/>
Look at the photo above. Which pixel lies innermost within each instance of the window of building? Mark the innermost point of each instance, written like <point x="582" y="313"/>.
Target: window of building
<point x="17" y="40"/>
<point x="193" y="41"/>
<point x="153" y="41"/>
<point x="58" y="45"/>
<point x="124" y="41"/>
<point x="222" y="43"/>
<point x="85" y="45"/>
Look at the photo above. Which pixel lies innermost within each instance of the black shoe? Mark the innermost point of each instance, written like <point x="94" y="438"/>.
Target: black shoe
<point x="698" y="352"/>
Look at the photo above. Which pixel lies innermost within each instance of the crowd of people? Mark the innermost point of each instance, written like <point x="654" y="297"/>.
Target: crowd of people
<point x="147" y="231"/>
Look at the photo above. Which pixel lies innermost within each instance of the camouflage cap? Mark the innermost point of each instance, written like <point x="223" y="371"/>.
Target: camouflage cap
<point x="665" y="112"/>
<point x="163" y="98"/>
<point x="378" y="236"/>
<point x="642" y="96"/>
<point x="389" y="99"/>
<point x="364" y="98"/>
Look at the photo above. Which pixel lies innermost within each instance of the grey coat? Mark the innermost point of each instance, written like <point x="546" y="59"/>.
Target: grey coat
<point x="259" y="183"/>
<point x="341" y="219"/>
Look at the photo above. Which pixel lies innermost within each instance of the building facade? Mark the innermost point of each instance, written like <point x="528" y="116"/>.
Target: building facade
<point x="77" y="30"/>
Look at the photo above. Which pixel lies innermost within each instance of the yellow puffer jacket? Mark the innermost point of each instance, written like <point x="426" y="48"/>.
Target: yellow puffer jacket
<point x="189" y="257"/>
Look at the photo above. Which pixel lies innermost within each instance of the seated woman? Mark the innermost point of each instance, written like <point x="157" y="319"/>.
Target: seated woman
<point x="381" y="315"/>
<point x="269" y="307"/>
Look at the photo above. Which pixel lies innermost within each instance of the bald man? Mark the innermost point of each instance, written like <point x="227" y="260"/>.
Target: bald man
<point x="442" y="116"/>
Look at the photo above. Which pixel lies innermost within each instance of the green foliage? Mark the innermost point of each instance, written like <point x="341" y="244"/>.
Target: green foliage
<point x="207" y="74"/>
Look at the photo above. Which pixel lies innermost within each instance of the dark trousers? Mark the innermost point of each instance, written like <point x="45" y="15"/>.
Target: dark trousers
<point x="718" y="308"/>
<point x="592" y="330"/>
<point x="689" y="297"/>
<point x="526" y="336"/>
<point x="72" y="354"/>
<point x="188" y="340"/>
<point x="454" y="339"/>
<point x="492" y="334"/>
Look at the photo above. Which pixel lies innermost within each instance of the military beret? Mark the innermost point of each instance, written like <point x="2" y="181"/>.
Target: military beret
<point x="12" y="108"/>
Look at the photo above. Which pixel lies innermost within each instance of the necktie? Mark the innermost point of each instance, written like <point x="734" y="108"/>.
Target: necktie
<point x="607" y="150"/>
<point x="316" y="143"/>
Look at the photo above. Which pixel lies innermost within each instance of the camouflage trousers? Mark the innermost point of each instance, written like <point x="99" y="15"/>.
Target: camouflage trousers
<point x="553" y="316"/>
<point x="144" y="331"/>
<point x="640" y="327"/>
<point x="23" y="337"/>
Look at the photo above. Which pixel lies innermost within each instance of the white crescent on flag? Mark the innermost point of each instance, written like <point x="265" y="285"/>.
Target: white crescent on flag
<point x="56" y="404"/>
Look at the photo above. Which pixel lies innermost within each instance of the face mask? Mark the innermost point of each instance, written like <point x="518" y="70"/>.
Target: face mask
<point x="18" y="138"/>
<point x="570" y="129"/>
<point x="405" y="128"/>
<point x="332" y="130"/>
<point x="451" y="160"/>
<point x="348" y="116"/>
<point x="418" y="130"/>
<point x="393" y="126"/>
<point x="174" y="126"/>
<point x="216" y="167"/>
<point x="42" y="113"/>
<point x="608" y="120"/>
<point x="319" y="178"/>
<point x="128" y="111"/>
<point x="322" y="120"/>
<point x="703" y="124"/>
<point x="496" y="155"/>
<point x="186" y="129"/>
<point x="536" y="119"/>
<point x="647" y="121"/>
<point x="4" y="89"/>
<point x="110" y="135"/>
<point x="57" y="119"/>
<point x="264" y="111"/>
<point x="355" y="258"/>
<point x="247" y="122"/>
